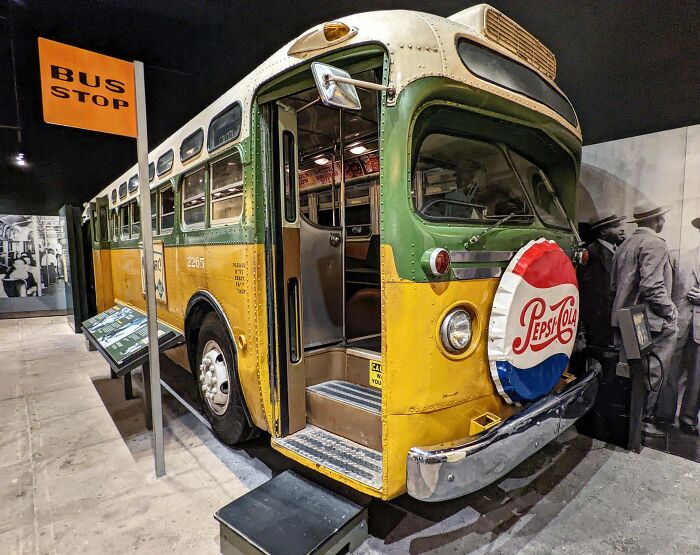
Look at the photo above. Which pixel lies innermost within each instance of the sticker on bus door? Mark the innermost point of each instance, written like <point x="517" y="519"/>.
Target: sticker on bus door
<point x="375" y="373"/>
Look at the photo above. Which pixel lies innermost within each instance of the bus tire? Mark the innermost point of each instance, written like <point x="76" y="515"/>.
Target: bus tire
<point x="216" y="386"/>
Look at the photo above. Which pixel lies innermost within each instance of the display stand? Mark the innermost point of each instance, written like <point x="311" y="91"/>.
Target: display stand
<point x="120" y="335"/>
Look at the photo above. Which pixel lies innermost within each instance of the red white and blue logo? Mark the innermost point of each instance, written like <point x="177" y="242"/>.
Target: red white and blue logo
<point x="533" y="322"/>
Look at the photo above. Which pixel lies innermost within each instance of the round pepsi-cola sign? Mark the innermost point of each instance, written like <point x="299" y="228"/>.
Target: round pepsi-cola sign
<point x="533" y="322"/>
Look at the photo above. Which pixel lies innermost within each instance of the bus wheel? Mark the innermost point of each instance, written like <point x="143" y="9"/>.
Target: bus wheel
<point x="217" y="390"/>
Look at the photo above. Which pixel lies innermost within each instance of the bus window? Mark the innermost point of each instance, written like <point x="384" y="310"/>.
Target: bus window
<point x="290" y="176"/>
<point x="226" y="189"/>
<point x="154" y="212"/>
<point x="124" y="221"/>
<point x="167" y="209"/>
<point x="135" y="219"/>
<point x="326" y="209"/>
<point x="193" y="205"/>
<point x="542" y="196"/>
<point x="114" y="224"/>
<point x="358" y="218"/>
<point x="104" y="232"/>
<point x="456" y="179"/>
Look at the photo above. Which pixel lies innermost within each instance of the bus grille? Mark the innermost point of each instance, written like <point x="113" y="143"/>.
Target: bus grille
<point x="511" y="36"/>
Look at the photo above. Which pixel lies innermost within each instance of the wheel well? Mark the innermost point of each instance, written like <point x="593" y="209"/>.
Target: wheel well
<point x="199" y="306"/>
<point x="196" y="313"/>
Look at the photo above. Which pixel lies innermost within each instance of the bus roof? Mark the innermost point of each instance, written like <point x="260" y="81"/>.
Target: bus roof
<point x="428" y="48"/>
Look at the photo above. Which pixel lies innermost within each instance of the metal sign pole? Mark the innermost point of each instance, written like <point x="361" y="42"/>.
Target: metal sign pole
<point x="147" y="236"/>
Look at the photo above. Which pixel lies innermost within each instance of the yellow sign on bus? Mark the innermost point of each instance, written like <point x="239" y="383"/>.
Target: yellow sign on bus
<point x="84" y="89"/>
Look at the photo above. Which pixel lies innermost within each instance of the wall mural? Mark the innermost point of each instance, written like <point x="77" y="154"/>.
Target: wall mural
<point x="639" y="212"/>
<point x="32" y="264"/>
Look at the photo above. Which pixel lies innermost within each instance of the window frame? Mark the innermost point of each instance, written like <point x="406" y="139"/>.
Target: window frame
<point x="502" y="149"/>
<point x="124" y="207"/>
<point x="184" y="225"/>
<point x="161" y="188"/>
<point x="235" y="151"/>
<point x="169" y="153"/>
<point x="125" y="190"/>
<point x="229" y="108"/>
<point x="198" y="150"/>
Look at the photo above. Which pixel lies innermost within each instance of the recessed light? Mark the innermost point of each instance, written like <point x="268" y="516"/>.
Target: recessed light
<point x="359" y="149"/>
<point x="321" y="161"/>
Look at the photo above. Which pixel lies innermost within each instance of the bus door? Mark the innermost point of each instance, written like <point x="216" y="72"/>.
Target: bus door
<point x="291" y="400"/>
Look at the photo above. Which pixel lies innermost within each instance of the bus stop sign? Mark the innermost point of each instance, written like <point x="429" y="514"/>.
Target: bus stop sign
<point x="84" y="89"/>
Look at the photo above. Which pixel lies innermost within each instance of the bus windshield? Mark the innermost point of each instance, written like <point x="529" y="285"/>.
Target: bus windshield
<point x="458" y="179"/>
<point x="466" y="180"/>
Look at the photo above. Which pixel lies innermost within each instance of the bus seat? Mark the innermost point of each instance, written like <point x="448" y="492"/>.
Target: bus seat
<point x="363" y="314"/>
<point x="367" y="270"/>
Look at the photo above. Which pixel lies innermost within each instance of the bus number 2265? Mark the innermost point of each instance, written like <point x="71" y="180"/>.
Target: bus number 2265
<point x="195" y="262"/>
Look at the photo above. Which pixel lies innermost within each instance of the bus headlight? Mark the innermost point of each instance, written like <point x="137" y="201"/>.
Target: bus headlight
<point x="456" y="330"/>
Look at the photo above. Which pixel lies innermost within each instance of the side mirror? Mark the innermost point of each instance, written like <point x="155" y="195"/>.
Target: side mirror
<point x="334" y="87"/>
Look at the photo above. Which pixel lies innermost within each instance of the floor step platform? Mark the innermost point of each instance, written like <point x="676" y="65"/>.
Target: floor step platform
<point x="337" y="453"/>
<point x="291" y="515"/>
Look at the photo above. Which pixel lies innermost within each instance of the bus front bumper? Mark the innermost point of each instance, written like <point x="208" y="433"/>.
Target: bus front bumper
<point x="444" y="472"/>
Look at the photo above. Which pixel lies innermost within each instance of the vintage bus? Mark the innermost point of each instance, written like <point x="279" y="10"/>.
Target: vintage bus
<point x="368" y="246"/>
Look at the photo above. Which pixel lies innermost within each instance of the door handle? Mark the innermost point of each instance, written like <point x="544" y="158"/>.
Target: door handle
<point x="334" y="239"/>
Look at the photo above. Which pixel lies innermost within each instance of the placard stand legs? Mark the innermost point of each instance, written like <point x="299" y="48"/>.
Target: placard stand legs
<point x="148" y="407"/>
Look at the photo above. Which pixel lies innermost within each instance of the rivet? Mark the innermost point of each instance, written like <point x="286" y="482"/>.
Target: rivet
<point x="450" y="478"/>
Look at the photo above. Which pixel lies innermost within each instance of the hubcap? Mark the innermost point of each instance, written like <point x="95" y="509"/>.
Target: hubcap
<point x="213" y="378"/>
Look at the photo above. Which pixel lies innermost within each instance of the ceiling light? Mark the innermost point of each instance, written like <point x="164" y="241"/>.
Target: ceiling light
<point x="321" y="161"/>
<point x="359" y="149"/>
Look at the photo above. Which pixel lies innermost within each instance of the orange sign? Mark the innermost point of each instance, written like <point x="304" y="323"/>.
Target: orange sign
<point x="83" y="89"/>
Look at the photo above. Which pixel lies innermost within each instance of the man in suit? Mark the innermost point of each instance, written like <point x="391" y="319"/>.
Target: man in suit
<point x="594" y="278"/>
<point x="686" y="364"/>
<point x="642" y="274"/>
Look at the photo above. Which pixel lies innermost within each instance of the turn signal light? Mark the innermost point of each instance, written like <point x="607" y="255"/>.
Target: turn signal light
<point x="334" y="30"/>
<point x="436" y="262"/>
<point x="581" y="257"/>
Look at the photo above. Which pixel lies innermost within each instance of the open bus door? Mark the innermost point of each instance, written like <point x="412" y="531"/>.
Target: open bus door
<point x="290" y="384"/>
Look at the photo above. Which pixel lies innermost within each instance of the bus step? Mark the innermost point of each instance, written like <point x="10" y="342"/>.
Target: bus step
<point x="360" y="396"/>
<point x="336" y="453"/>
<point x="291" y="515"/>
<point x="348" y="410"/>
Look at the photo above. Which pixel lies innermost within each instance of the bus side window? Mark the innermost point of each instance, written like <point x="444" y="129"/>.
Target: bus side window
<point x="124" y="221"/>
<point x="104" y="232"/>
<point x="114" y="224"/>
<point x="290" y="176"/>
<point x="154" y="212"/>
<point x="166" y="209"/>
<point x="193" y="203"/>
<point x="135" y="219"/>
<point x="226" y="189"/>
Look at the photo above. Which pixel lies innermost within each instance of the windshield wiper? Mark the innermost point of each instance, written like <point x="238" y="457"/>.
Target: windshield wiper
<point x="475" y="238"/>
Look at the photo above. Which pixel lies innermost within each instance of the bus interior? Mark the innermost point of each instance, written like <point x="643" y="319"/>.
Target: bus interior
<point x="340" y="278"/>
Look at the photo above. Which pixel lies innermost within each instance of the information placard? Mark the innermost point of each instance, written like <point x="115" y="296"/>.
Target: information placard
<point x="120" y="334"/>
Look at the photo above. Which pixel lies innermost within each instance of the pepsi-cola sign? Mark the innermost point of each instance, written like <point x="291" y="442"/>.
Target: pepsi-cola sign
<point x="533" y="322"/>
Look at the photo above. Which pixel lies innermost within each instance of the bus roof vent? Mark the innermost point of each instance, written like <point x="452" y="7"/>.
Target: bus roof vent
<point x="505" y="32"/>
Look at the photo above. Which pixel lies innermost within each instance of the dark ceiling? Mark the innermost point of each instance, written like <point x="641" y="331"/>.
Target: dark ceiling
<point x="629" y="68"/>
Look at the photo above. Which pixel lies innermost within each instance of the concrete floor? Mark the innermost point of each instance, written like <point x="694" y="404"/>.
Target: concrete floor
<point x="76" y="476"/>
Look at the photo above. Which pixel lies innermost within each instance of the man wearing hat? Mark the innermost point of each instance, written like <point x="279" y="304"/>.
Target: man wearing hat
<point x="642" y="274"/>
<point x="594" y="278"/>
<point x="686" y="296"/>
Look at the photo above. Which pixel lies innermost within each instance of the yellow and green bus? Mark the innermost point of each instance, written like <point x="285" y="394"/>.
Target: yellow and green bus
<point x="335" y="233"/>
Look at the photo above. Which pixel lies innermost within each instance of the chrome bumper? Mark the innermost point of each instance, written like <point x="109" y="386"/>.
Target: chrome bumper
<point x="444" y="472"/>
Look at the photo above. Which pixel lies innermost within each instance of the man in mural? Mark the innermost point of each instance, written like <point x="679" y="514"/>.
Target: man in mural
<point x="686" y="364"/>
<point x="594" y="278"/>
<point x="642" y="274"/>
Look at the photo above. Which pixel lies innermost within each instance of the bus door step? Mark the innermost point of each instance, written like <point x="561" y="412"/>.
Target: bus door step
<point x="336" y="453"/>
<point x="291" y="515"/>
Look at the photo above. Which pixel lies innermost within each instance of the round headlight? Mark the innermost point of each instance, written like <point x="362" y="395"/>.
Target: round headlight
<point x="456" y="330"/>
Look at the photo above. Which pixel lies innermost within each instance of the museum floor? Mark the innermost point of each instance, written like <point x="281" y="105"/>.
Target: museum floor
<point x="76" y="476"/>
